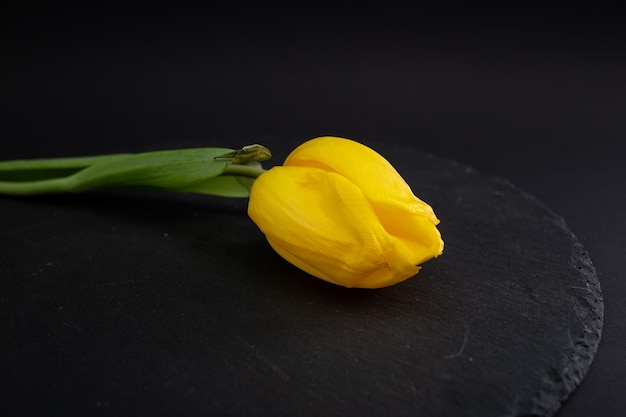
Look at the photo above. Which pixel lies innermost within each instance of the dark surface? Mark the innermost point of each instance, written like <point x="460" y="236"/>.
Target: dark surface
<point x="536" y="98"/>
<point x="183" y="298"/>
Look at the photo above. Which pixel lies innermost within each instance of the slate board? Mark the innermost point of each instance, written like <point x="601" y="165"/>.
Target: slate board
<point x="152" y="304"/>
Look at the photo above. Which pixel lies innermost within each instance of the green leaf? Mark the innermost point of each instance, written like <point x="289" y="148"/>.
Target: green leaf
<point x="160" y="170"/>
<point x="223" y="186"/>
<point x="218" y="171"/>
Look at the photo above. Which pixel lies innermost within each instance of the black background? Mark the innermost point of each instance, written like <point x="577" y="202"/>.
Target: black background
<point x="536" y="97"/>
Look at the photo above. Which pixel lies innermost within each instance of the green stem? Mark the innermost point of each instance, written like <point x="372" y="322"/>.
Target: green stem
<point x="250" y="171"/>
<point x="56" y="185"/>
<point x="78" y="162"/>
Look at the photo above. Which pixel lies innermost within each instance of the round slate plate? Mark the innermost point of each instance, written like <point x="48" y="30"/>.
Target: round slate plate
<point x="148" y="304"/>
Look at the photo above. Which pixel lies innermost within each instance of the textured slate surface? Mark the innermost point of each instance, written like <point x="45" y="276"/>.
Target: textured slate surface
<point x="143" y="304"/>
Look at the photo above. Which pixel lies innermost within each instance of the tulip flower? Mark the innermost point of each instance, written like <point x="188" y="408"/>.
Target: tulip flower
<point x="335" y="209"/>
<point x="341" y="212"/>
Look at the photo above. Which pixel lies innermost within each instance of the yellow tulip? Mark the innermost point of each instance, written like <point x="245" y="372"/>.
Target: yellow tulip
<point x="341" y="212"/>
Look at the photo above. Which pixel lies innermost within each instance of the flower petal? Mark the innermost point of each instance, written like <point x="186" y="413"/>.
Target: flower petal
<point x="324" y="226"/>
<point x="363" y="166"/>
<point x="400" y="212"/>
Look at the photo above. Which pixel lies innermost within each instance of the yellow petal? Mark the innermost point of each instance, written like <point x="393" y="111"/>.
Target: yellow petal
<point x="323" y="224"/>
<point x="418" y="232"/>
<point x="401" y="213"/>
<point x="363" y="166"/>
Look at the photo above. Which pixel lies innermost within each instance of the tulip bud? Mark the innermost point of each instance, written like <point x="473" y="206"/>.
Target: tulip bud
<point x="341" y="212"/>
